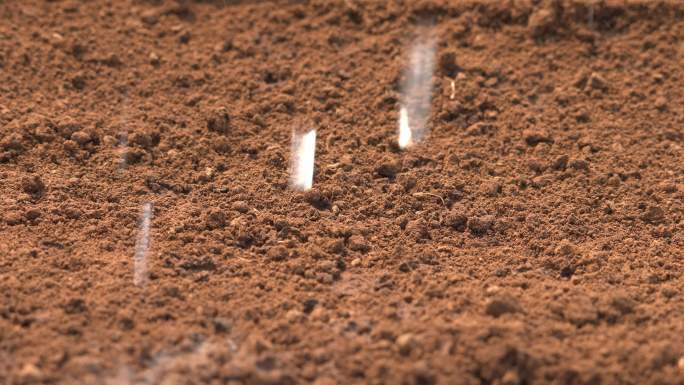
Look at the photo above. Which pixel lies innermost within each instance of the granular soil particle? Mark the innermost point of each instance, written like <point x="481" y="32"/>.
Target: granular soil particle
<point x="534" y="237"/>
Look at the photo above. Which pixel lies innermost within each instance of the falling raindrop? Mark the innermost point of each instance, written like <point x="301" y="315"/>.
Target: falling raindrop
<point x="303" y="156"/>
<point x="142" y="246"/>
<point x="416" y="91"/>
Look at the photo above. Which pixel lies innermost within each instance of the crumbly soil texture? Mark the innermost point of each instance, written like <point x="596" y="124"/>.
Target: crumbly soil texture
<point x="534" y="236"/>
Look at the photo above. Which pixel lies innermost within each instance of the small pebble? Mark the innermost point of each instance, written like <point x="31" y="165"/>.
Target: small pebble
<point x="294" y="316"/>
<point x="319" y="314"/>
<point x="492" y="290"/>
<point x="597" y="82"/>
<point x="405" y="343"/>
<point x="29" y="373"/>
<point x="511" y="377"/>
<point x="154" y="59"/>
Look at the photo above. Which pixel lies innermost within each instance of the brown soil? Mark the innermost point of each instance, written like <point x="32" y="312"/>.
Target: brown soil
<point x="534" y="237"/>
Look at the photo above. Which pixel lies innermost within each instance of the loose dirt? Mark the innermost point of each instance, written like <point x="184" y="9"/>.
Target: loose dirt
<point x="535" y="236"/>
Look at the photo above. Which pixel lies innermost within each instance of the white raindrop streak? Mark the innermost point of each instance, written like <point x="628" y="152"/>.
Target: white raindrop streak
<point x="303" y="155"/>
<point x="404" y="129"/>
<point x="142" y="245"/>
<point x="416" y="92"/>
<point x="123" y="144"/>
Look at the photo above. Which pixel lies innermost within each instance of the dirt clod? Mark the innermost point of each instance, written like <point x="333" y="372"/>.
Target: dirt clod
<point x="456" y="220"/>
<point x="623" y="304"/>
<point x="654" y="214"/>
<point x="447" y="63"/>
<point x="75" y="306"/>
<point x="481" y="225"/>
<point x="501" y="305"/>
<point x="418" y="229"/>
<point x="33" y="185"/>
<point x="541" y="21"/>
<point x="579" y="164"/>
<point x="309" y="305"/>
<point x="215" y="219"/>
<point x="277" y="253"/>
<point x="388" y="168"/>
<point x="534" y="137"/>
<point x="358" y="243"/>
<point x="80" y="137"/>
<point x="321" y="200"/>
<point x="218" y="120"/>
<point x="240" y="206"/>
<point x="560" y="163"/>
<point x="566" y="248"/>
<point x="13" y="218"/>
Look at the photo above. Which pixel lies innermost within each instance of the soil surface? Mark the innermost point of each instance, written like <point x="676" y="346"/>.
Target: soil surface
<point x="535" y="236"/>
